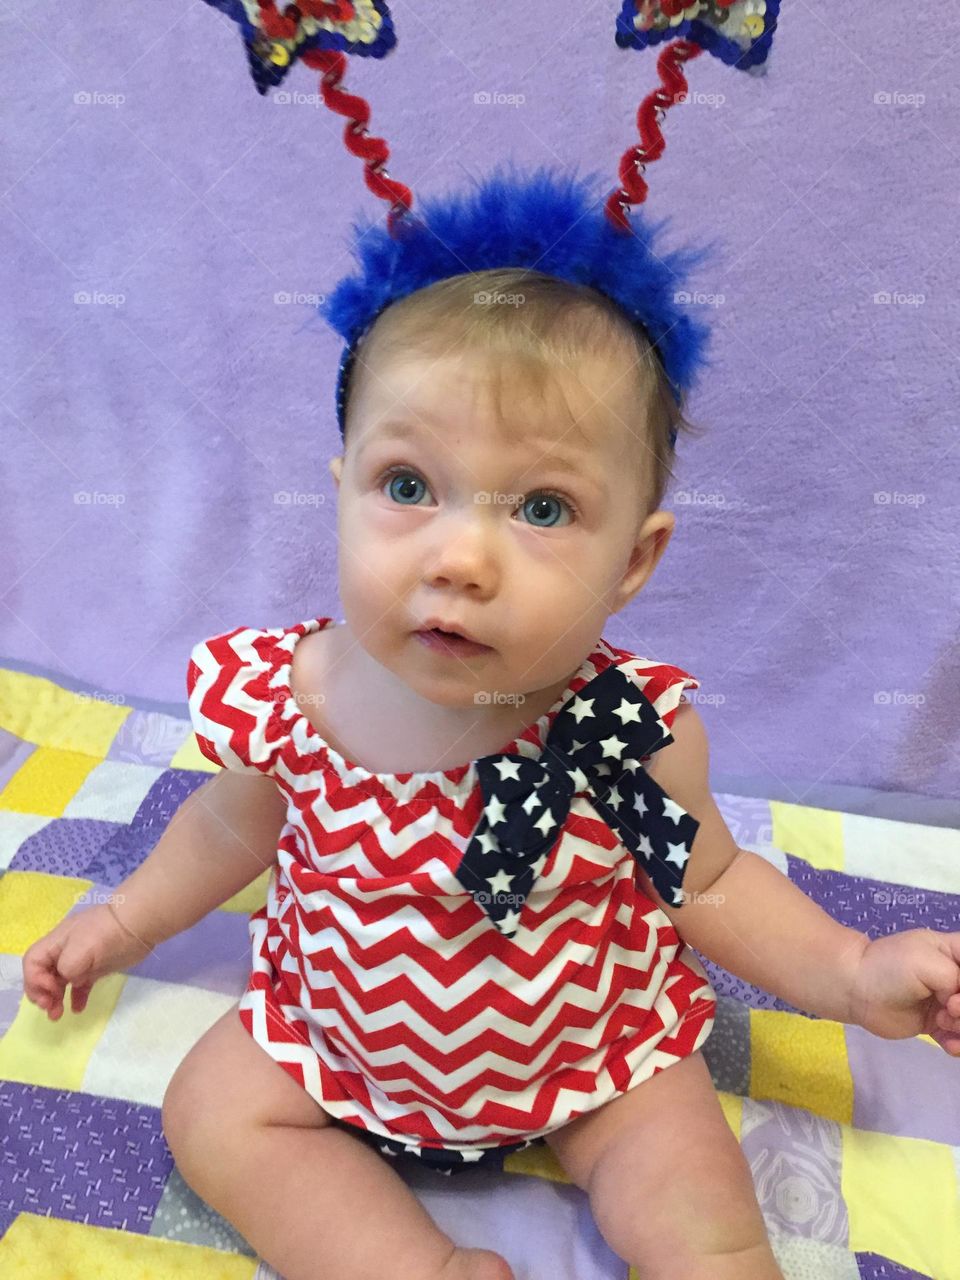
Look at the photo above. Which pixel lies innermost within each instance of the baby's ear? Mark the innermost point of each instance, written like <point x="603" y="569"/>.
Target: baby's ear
<point x="336" y="466"/>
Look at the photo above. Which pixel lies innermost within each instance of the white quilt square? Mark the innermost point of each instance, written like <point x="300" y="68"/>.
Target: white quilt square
<point x="151" y="1030"/>
<point x="15" y="828"/>
<point x="113" y="791"/>
<point x="904" y="852"/>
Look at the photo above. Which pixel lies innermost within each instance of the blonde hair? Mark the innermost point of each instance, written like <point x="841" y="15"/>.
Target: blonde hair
<point x="543" y="323"/>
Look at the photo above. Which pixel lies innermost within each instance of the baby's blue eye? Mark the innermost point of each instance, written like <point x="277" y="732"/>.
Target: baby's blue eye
<point x="406" y="488"/>
<point x="543" y="510"/>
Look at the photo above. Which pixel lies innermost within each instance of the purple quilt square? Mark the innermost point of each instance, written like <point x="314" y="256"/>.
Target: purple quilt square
<point x="129" y="845"/>
<point x="213" y="954"/>
<point x="121" y="854"/>
<point x="165" y="797"/>
<point x="81" y="1157"/>
<point x="906" y="1088"/>
<point x="149" y="737"/>
<point x="6" y="1218"/>
<point x="875" y="907"/>
<point x="64" y="847"/>
<point x="795" y="1159"/>
<point x="873" y="1267"/>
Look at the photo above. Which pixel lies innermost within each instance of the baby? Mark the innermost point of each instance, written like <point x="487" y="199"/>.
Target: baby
<point x="461" y="953"/>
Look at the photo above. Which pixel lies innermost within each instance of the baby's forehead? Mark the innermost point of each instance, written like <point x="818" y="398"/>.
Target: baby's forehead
<point x="520" y="404"/>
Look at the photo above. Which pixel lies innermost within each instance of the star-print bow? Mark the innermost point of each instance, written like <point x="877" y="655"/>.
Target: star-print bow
<point x="595" y="744"/>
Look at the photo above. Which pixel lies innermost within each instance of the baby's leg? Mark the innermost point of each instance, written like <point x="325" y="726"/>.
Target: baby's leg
<point x="314" y="1201"/>
<point x="669" y="1186"/>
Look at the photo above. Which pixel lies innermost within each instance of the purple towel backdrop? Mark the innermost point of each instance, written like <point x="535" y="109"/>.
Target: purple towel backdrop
<point x="167" y="396"/>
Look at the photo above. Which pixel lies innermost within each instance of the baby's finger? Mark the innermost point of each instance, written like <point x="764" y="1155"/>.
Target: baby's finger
<point x="79" y="997"/>
<point x="946" y="1022"/>
<point x="950" y="1041"/>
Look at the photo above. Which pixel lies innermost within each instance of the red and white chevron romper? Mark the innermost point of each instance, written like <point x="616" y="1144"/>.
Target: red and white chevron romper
<point x="380" y="985"/>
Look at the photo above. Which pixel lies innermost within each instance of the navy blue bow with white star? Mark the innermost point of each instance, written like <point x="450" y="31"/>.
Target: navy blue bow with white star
<point x="595" y="744"/>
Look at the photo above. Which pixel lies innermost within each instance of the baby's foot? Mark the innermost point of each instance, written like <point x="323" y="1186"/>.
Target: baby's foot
<point x="477" y="1264"/>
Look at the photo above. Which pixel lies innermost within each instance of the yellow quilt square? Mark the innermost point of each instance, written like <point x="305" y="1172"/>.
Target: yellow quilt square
<point x="47" y="781"/>
<point x="903" y="1201"/>
<point x="38" y="710"/>
<point x="39" y="1246"/>
<point x="801" y="1061"/>
<point x="189" y="756"/>
<point x="251" y="897"/>
<point x="816" y="835"/>
<point x="31" y="903"/>
<point x="36" y="1050"/>
<point x="538" y="1162"/>
<point x="732" y="1107"/>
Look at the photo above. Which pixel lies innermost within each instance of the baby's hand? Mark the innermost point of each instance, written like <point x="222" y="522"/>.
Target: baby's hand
<point x="908" y="984"/>
<point x="80" y="950"/>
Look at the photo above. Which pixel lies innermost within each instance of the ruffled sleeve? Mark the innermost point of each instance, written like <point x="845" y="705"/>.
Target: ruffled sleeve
<point x="657" y="830"/>
<point x="237" y="688"/>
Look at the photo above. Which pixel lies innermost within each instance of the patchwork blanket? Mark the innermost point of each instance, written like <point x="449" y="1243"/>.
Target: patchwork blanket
<point x="854" y="1141"/>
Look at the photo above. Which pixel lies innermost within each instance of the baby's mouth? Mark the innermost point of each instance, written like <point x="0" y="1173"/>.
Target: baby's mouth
<point x="451" y="643"/>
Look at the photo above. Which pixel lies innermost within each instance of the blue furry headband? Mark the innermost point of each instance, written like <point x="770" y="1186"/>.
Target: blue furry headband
<point x="546" y="221"/>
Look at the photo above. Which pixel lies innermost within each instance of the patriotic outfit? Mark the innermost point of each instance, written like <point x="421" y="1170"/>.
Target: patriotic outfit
<point x="455" y="963"/>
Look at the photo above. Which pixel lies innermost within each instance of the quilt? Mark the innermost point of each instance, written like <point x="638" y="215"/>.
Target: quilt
<point x="853" y="1141"/>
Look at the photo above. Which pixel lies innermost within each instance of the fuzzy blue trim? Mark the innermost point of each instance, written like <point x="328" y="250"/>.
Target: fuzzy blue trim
<point x="549" y="220"/>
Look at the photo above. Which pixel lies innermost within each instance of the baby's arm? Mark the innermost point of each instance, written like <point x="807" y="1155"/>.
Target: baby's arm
<point x="221" y="839"/>
<point x="742" y="912"/>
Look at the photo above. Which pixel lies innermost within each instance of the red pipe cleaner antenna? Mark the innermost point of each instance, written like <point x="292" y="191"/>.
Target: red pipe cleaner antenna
<point x="373" y="151"/>
<point x="633" y="162"/>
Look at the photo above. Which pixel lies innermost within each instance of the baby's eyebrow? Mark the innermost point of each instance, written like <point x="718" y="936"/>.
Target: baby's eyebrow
<point x="570" y="464"/>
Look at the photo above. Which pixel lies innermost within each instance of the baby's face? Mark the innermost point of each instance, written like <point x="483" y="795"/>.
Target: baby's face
<point x="525" y="532"/>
